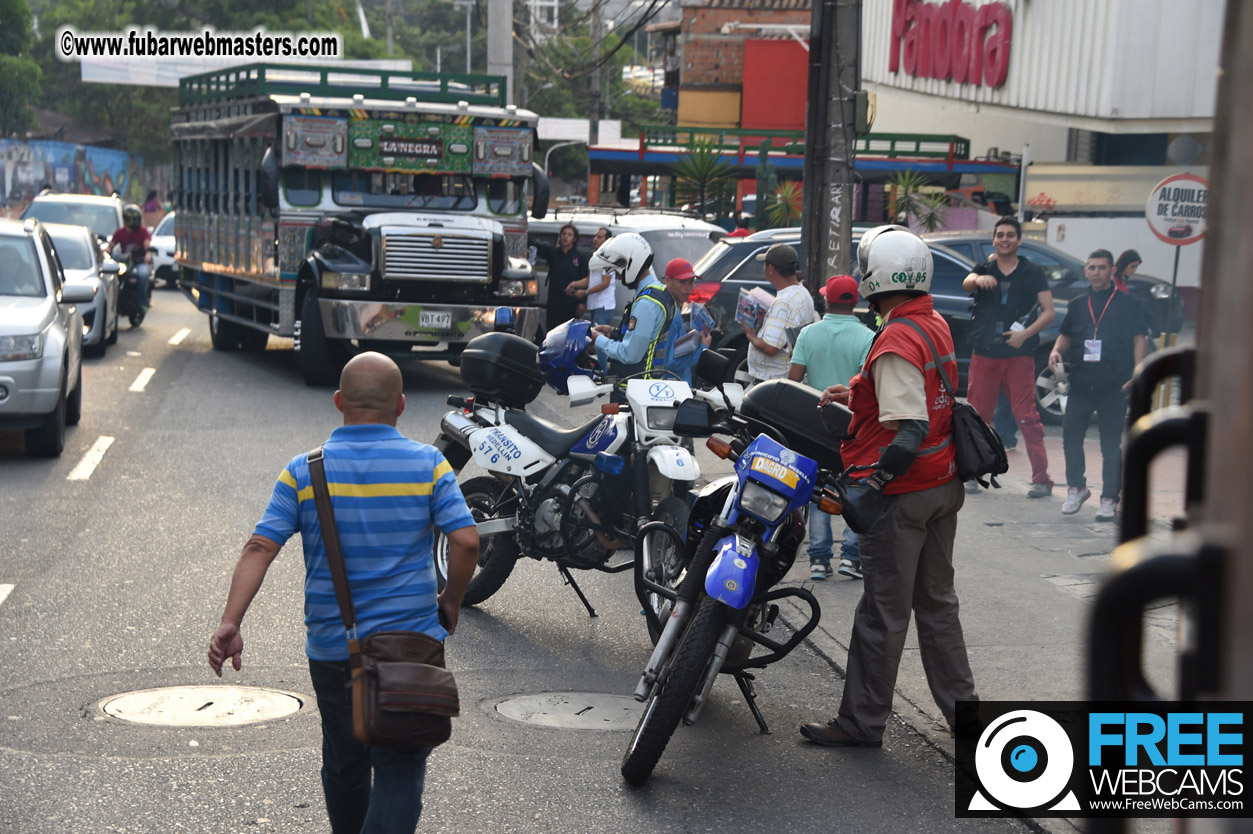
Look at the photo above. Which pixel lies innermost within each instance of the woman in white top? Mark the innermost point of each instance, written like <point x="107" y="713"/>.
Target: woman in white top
<point x="597" y="288"/>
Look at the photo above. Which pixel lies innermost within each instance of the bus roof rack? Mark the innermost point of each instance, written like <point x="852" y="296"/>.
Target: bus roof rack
<point x="254" y="80"/>
<point x="561" y="208"/>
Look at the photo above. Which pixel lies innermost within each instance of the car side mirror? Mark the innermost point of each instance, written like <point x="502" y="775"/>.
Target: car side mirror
<point x="110" y="267"/>
<point x="694" y="418"/>
<point x="77" y="293"/>
<point x="539" y="206"/>
<point x="268" y="195"/>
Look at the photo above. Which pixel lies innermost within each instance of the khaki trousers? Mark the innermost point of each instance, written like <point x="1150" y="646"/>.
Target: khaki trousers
<point x="907" y="562"/>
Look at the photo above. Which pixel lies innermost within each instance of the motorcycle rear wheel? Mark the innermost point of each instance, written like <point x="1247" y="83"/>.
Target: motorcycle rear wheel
<point x="674" y="690"/>
<point x="497" y="554"/>
<point x="669" y="559"/>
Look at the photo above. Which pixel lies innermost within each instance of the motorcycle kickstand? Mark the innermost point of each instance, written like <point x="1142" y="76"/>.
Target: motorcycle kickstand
<point x="565" y="572"/>
<point x="744" y="679"/>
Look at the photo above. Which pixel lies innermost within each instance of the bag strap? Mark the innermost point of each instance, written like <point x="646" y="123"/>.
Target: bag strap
<point x="330" y="538"/>
<point x="939" y="366"/>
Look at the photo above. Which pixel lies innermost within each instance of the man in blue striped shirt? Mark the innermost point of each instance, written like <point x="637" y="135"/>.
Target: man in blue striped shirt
<point x="389" y="494"/>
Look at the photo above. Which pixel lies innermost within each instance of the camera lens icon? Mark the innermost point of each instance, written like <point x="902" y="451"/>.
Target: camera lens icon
<point x="1024" y="760"/>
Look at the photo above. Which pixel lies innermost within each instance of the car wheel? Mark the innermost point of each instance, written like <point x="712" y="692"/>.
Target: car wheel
<point x="100" y="345"/>
<point x="48" y="440"/>
<point x="74" y="403"/>
<point x="224" y="334"/>
<point x="1052" y="389"/>
<point x="111" y="339"/>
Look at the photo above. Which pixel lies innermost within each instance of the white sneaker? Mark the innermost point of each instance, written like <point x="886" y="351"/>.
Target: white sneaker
<point x="1106" y="511"/>
<point x="1074" y="499"/>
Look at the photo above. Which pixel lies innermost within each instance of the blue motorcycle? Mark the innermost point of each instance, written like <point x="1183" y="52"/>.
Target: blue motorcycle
<point x="742" y="536"/>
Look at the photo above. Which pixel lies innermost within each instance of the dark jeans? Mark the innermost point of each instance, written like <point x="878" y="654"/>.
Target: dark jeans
<point x="1111" y="416"/>
<point x="395" y="803"/>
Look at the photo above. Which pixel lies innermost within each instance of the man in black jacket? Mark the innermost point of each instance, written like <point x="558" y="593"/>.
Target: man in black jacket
<point x="1103" y="333"/>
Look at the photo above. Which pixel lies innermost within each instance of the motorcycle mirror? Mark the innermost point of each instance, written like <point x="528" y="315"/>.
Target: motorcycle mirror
<point x="268" y="195"/>
<point x="694" y="418"/>
<point x="712" y="366"/>
<point x="582" y="390"/>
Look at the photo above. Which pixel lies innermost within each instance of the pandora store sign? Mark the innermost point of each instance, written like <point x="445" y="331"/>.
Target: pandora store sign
<point x="951" y="41"/>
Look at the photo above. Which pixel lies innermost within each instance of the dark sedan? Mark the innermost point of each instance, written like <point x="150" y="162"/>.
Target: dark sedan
<point x="1065" y="274"/>
<point x="731" y="265"/>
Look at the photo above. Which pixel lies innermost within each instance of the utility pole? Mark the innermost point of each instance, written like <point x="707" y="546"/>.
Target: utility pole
<point x="593" y="114"/>
<point x="390" y="43"/>
<point x="500" y="45"/>
<point x="830" y="136"/>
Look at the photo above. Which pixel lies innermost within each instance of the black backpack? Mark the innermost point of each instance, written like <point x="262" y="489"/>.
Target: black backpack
<point x="978" y="447"/>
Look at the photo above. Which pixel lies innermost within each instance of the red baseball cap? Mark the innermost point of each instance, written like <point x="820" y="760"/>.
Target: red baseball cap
<point x="680" y="269"/>
<point x="840" y="289"/>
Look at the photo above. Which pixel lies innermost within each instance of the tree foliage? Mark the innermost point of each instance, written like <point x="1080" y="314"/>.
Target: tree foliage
<point x="21" y="75"/>
<point x="915" y="203"/>
<point x="704" y="178"/>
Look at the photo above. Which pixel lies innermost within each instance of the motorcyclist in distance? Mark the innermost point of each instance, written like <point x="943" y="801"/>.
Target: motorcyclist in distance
<point x="644" y="340"/>
<point x="132" y="241"/>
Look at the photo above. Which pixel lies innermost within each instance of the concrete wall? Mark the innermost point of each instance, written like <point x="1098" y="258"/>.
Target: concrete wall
<point x="709" y="108"/>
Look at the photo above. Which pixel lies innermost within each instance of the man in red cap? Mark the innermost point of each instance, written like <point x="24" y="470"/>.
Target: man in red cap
<point x="685" y="349"/>
<point x="831" y="352"/>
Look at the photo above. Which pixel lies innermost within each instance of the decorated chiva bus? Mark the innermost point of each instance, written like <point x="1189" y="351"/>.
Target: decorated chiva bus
<point x="354" y="209"/>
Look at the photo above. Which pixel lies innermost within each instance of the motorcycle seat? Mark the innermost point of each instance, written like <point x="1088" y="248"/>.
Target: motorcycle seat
<point x="550" y="437"/>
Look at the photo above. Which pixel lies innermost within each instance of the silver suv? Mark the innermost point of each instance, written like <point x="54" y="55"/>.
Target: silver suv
<point x="41" y="339"/>
<point x="103" y="215"/>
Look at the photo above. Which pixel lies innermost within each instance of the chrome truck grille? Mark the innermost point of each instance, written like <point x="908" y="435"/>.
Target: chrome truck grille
<point x="437" y="257"/>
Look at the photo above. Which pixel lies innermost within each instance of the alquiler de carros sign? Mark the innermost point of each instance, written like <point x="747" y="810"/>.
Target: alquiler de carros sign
<point x="1176" y="209"/>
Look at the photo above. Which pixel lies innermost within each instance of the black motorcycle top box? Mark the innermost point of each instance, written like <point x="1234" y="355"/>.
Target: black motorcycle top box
<point x="503" y="368"/>
<point x="792" y="408"/>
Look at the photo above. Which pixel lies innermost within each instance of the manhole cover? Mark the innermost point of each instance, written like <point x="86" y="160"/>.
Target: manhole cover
<point x="574" y="710"/>
<point x="202" y="706"/>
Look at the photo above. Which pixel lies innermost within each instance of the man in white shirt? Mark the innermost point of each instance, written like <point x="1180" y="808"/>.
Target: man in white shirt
<point x="770" y="348"/>
<point x="597" y="290"/>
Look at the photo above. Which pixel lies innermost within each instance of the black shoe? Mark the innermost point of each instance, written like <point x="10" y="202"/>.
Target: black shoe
<point x="831" y="735"/>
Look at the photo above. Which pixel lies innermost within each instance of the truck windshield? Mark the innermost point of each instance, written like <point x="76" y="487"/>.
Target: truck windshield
<point x="441" y="192"/>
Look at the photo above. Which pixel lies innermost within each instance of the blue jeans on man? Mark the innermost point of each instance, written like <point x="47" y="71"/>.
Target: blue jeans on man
<point x="394" y="804"/>
<point x="1004" y="423"/>
<point x="821" y="540"/>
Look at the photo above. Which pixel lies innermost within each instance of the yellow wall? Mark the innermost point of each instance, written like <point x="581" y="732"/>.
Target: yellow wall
<point x="700" y="108"/>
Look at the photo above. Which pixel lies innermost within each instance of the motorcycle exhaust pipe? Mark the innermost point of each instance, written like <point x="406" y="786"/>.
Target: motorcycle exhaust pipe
<point x="601" y="537"/>
<point x="458" y="427"/>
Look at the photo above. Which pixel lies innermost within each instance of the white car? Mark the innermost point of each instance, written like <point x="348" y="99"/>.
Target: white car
<point x="84" y="263"/>
<point x="41" y="339"/>
<point x="163" y="265"/>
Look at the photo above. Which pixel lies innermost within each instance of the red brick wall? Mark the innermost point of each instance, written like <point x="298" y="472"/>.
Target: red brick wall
<point x="712" y="59"/>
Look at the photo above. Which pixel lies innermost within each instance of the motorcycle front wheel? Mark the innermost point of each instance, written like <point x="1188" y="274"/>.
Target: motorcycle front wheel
<point x="666" y="559"/>
<point x="497" y="554"/>
<point x="674" y="690"/>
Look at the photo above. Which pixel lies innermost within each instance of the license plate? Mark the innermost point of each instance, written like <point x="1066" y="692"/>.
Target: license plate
<point x="437" y="321"/>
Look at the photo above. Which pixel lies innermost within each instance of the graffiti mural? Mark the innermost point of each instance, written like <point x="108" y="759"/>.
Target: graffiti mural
<point x="27" y="167"/>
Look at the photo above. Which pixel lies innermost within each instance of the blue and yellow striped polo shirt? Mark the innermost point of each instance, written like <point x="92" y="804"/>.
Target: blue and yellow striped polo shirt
<point x="389" y="493"/>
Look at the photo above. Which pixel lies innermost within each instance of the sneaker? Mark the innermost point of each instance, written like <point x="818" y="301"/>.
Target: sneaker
<point x="819" y="571"/>
<point x="1106" y="511"/>
<point x="1040" y="491"/>
<point x="850" y="569"/>
<point x="972" y="487"/>
<point x="1074" y="499"/>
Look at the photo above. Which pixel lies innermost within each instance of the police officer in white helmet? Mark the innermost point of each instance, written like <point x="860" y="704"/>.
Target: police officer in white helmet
<point x="902" y="427"/>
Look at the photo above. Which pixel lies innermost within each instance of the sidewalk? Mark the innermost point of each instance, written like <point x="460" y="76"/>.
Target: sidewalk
<point x="1026" y="578"/>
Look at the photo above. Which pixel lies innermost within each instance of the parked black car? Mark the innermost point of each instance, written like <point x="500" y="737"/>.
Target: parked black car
<point x="1065" y="274"/>
<point x="731" y="265"/>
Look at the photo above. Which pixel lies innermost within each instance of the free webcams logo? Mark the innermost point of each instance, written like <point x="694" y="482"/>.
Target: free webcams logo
<point x="1109" y="759"/>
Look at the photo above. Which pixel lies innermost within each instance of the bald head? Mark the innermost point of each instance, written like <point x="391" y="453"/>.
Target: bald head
<point x="370" y="390"/>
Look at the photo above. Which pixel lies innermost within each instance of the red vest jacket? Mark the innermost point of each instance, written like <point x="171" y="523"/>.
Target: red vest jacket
<point x="868" y="438"/>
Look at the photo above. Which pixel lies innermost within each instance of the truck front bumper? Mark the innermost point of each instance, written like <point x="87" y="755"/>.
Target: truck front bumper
<point x="428" y="324"/>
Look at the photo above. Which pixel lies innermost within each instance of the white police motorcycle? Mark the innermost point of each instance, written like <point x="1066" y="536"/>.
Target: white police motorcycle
<point x="576" y="496"/>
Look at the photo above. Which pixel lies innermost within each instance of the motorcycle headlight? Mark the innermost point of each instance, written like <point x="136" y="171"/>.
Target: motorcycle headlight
<point x="661" y="418"/>
<point x="15" y="348"/>
<point x="345" y="281"/>
<point x="1160" y="291"/>
<point x="758" y="501"/>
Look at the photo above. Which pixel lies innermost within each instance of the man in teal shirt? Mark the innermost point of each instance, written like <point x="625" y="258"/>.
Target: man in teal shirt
<point x="831" y="352"/>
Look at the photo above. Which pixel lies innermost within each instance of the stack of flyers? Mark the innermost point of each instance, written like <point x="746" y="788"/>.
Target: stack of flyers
<point x="752" y="306"/>
<point x="701" y="320"/>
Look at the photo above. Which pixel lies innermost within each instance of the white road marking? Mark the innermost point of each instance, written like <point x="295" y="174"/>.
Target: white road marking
<point x="5" y="590"/>
<point x="178" y="337"/>
<point x="133" y="353"/>
<point x="141" y="381"/>
<point x="90" y="460"/>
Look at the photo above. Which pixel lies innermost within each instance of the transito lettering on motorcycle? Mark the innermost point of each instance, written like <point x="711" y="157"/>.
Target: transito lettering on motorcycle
<point x="498" y="445"/>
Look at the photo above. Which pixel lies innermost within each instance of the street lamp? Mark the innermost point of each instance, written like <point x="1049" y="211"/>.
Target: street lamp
<point x="549" y="152"/>
<point x="468" y="5"/>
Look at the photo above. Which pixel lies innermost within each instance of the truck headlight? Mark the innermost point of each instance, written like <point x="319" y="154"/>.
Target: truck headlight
<point x="516" y="289"/>
<point x="761" y="502"/>
<point x="345" y="281"/>
<point x="15" y="348"/>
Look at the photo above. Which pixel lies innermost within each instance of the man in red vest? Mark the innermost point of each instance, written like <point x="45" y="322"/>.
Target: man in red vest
<point x="901" y="426"/>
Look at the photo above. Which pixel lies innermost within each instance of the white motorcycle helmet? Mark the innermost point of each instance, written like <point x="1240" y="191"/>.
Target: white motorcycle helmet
<point x="893" y="259"/>
<point x="627" y="255"/>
